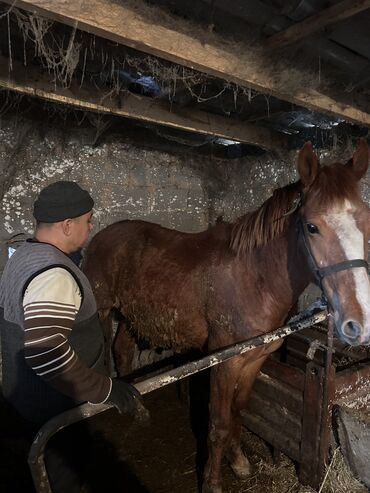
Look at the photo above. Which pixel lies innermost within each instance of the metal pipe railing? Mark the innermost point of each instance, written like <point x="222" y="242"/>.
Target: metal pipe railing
<point x="311" y="316"/>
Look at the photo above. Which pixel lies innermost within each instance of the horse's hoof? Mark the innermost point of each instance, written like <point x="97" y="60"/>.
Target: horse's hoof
<point x="241" y="471"/>
<point x="209" y="488"/>
<point x="239" y="465"/>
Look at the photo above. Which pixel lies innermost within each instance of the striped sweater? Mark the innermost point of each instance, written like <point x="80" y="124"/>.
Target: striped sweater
<point x="51" y="303"/>
<point x="52" y="342"/>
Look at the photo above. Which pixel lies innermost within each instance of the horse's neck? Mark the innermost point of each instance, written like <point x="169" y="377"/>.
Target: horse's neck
<point x="299" y="273"/>
<point x="282" y="267"/>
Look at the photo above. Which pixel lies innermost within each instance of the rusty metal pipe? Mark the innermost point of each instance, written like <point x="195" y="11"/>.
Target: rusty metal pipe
<point x="36" y="461"/>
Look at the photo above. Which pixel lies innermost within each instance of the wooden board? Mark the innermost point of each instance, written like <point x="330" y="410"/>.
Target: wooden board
<point x="31" y="81"/>
<point x="353" y="431"/>
<point x="335" y="13"/>
<point x="244" y="65"/>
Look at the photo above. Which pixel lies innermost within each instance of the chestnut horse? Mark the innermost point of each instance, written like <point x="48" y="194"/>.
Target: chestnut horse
<point x="235" y="281"/>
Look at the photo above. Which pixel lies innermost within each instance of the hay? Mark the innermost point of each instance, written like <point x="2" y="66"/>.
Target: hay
<point x="64" y="56"/>
<point x="339" y="478"/>
<point x="64" y="59"/>
<point x="281" y="477"/>
<point x="61" y="61"/>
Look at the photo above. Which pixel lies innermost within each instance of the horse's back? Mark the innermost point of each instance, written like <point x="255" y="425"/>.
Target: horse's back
<point x="155" y="276"/>
<point x="117" y="250"/>
<point x="126" y="240"/>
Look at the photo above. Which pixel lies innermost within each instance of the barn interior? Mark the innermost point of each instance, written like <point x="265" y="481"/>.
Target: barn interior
<point x="176" y="111"/>
<point x="197" y="108"/>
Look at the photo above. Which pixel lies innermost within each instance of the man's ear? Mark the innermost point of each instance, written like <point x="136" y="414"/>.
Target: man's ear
<point x="66" y="226"/>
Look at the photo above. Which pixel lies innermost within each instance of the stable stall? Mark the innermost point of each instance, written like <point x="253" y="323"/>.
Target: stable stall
<point x="189" y="114"/>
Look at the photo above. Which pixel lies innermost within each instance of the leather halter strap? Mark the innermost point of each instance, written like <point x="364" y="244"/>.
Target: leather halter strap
<point x="320" y="273"/>
<point x="347" y="264"/>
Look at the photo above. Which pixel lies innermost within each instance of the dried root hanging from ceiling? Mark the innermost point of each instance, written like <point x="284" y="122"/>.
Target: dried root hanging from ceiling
<point x="71" y="55"/>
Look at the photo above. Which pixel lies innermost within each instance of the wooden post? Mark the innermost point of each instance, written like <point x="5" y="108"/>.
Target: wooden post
<point x="327" y="402"/>
<point x="326" y="423"/>
<point x="311" y="425"/>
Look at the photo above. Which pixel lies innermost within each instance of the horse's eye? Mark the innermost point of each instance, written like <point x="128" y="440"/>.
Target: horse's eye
<point x="312" y="229"/>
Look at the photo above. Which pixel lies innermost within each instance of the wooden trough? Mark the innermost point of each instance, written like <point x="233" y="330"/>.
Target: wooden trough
<point x="293" y="399"/>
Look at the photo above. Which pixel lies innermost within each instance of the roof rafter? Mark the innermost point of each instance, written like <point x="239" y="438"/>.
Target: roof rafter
<point x="29" y="80"/>
<point x="125" y="25"/>
<point x="335" y="13"/>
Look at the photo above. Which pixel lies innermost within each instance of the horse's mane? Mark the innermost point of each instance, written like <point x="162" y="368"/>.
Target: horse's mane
<point x="258" y="228"/>
<point x="334" y="184"/>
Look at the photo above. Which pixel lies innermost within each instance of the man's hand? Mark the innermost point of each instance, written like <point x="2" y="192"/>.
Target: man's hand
<point x="125" y="397"/>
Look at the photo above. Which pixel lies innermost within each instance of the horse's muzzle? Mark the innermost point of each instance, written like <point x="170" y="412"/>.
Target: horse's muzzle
<point x="354" y="333"/>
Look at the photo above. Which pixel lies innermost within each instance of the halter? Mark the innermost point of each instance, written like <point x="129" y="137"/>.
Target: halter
<point x="320" y="273"/>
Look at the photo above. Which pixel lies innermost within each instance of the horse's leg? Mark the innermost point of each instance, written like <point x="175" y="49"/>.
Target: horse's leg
<point x="239" y="463"/>
<point x="247" y="376"/>
<point x="123" y="349"/>
<point x="223" y="380"/>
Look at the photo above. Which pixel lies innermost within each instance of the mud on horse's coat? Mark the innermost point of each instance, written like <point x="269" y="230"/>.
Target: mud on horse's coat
<point x="235" y="281"/>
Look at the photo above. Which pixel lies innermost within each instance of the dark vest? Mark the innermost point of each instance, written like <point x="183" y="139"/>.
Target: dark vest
<point x="34" y="399"/>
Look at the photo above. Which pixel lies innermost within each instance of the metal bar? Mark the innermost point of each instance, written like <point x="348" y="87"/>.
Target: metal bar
<point x="224" y="354"/>
<point x="36" y="461"/>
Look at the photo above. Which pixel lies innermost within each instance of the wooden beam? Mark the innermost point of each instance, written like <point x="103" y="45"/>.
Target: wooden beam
<point x="30" y="81"/>
<point x="335" y="13"/>
<point x="123" y="24"/>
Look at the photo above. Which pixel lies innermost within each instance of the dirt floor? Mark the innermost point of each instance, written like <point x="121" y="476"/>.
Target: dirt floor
<point x="161" y="457"/>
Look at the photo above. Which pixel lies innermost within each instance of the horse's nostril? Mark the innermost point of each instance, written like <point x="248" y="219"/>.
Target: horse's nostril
<point x="351" y="329"/>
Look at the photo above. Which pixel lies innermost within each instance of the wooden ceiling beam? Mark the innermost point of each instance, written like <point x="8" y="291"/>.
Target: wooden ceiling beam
<point x="124" y="24"/>
<point x="31" y="81"/>
<point x="335" y="13"/>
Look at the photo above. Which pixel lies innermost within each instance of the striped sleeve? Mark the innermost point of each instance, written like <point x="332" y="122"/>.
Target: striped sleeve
<point x="51" y="303"/>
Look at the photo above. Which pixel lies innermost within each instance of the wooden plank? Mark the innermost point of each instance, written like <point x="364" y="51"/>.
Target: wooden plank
<point x="335" y="13"/>
<point x="30" y="81"/>
<point x="277" y="438"/>
<point x="349" y="355"/>
<point x="275" y="391"/>
<point x="326" y="421"/>
<point x="354" y="438"/>
<point x="352" y="379"/>
<point x="358" y="400"/>
<point x="276" y="414"/>
<point x="296" y="362"/>
<point x="311" y="426"/>
<point x="246" y="66"/>
<point x="298" y="350"/>
<point x="284" y="373"/>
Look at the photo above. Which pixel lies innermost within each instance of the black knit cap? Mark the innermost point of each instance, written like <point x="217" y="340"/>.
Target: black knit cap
<point x="62" y="200"/>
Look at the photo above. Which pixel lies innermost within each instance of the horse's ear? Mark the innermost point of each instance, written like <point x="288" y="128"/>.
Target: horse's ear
<point x="359" y="162"/>
<point x="308" y="164"/>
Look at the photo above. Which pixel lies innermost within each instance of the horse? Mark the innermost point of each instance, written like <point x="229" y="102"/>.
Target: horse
<point x="238" y="280"/>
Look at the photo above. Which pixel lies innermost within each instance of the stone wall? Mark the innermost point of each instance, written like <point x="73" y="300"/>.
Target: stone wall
<point x="177" y="188"/>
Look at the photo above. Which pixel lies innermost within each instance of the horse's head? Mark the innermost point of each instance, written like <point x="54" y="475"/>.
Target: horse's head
<point x="335" y="227"/>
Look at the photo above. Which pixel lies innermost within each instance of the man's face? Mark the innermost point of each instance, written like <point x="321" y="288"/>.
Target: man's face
<point x="80" y="230"/>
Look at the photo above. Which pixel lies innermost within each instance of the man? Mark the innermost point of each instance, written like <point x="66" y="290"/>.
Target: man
<point x="52" y="343"/>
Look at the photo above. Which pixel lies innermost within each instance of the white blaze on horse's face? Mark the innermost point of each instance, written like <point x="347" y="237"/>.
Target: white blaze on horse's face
<point x="351" y="306"/>
<point x="337" y="230"/>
